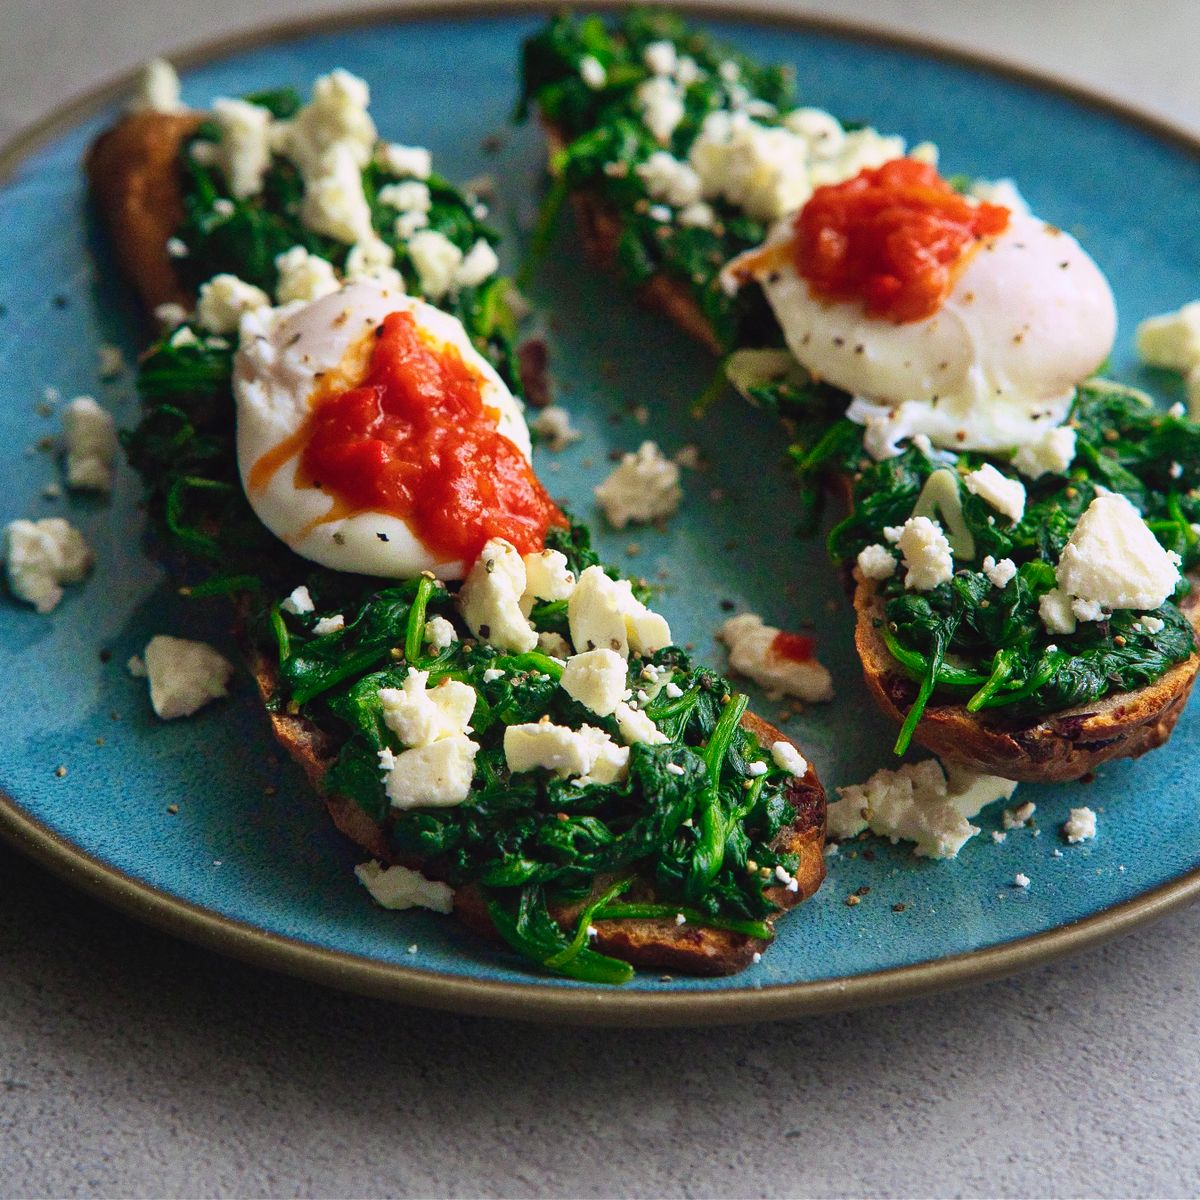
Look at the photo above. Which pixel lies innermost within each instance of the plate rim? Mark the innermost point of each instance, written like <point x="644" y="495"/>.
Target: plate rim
<point x="517" y="1000"/>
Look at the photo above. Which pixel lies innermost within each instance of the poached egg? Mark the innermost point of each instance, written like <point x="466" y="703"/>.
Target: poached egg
<point x="1029" y="317"/>
<point x="283" y="356"/>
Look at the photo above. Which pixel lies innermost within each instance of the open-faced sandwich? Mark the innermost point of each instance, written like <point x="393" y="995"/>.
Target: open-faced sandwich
<point x="1020" y="530"/>
<point x="332" y="436"/>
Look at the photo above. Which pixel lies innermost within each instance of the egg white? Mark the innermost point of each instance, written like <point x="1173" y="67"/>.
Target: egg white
<point x="1030" y="316"/>
<point x="282" y="354"/>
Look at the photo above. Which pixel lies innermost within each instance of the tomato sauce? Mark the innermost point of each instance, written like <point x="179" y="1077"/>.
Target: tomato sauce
<point x="895" y="237"/>
<point x="795" y="647"/>
<point x="415" y="440"/>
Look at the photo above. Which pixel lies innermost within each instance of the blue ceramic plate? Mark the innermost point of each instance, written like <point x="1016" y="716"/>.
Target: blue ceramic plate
<point x="248" y="861"/>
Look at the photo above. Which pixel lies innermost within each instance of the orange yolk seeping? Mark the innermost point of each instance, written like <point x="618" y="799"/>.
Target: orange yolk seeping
<point x="415" y="440"/>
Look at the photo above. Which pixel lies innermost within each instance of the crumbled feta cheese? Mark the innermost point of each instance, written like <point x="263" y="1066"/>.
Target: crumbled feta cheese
<point x="222" y="206"/>
<point x="762" y="170"/>
<point x="135" y="664"/>
<point x="1171" y="340"/>
<point x="183" y="336"/>
<point x="40" y="556"/>
<point x="437" y="775"/>
<point x="547" y="577"/>
<point x="91" y="442"/>
<point x="926" y="552"/>
<point x="408" y="223"/>
<point x="1019" y="817"/>
<point x="643" y="487"/>
<point x="332" y="624"/>
<point x="111" y="362"/>
<point x="490" y="598"/>
<point x="437" y="260"/>
<point x="492" y="674"/>
<point x="480" y="264"/>
<point x="752" y="653"/>
<point x="419" y="716"/>
<point x="1055" y="610"/>
<point x="1005" y="495"/>
<point x="243" y="152"/>
<point x="667" y="178"/>
<point x="661" y="58"/>
<point x="876" y="562"/>
<point x="755" y="769"/>
<point x="1051" y="454"/>
<point x="698" y="215"/>
<point x="405" y="160"/>
<point x="409" y="196"/>
<point x="1150" y="625"/>
<point x="1114" y="559"/>
<point x="660" y="101"/>
<point x="157" y="89"/>
<point x="1000" y="574"/>
<point x="1080" y="826"/>
<point x="303" y="276"/>
<point x="170" y="316"/>
<point x="917" y="802"/>
<point x="374" y="259"/>
<point x="635" y="727"/>
<point x="771" y="171"/>
<point x="299" y="601"/>
<point x="334" y="201"/>
<point x="603" y="612"/>
<point x="687" y="71"/>
<point x="592" y="72"/>
<point x="439" y="633"/>
<point x="587" y="753"/>
<point x="554" y="429"/>
<point x="184" y="675"/>
<point x="662" y="214"/>
<point x="597" y="679"/>
<point x="335" y="116"/>
<point x="788" y="758"/>
<point x="398" y="887"/>
<point x="1000" y="191"/>
<point x="1021" y="880"/>
<point x="224" y="300"/>
<point x="1088" y="610"/>
<point x="555" y="645"/>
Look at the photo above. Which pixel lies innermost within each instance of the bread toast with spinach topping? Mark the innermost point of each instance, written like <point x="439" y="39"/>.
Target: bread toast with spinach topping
<point x="968" y="669"/>
<point x="683" y="863"/>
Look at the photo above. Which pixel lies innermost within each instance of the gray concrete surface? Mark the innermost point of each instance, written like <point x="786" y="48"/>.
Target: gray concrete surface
<point x="131" y="1064"/>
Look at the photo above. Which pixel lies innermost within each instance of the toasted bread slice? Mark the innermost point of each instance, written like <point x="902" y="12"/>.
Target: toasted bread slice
<point x="133" y="173"/>
<point x="1053" y="749"/>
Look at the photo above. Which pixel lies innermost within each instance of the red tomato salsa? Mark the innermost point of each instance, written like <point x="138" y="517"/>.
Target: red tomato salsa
<point x="415" y="439"/>
<point x="894" y="237"/>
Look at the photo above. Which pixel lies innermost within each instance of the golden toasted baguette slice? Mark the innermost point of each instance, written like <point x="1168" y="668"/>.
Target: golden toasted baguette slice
<point x="133" y="174"/>
<point x="1053" y="749"/>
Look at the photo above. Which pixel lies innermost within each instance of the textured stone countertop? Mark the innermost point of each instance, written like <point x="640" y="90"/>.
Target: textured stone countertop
<point x="132" y="1064"/>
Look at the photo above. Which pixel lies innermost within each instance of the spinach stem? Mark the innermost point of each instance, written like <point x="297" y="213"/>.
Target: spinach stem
<point x="414" y="636"/>
<point x="579" y="941"/>
<point x="713" y="827"/>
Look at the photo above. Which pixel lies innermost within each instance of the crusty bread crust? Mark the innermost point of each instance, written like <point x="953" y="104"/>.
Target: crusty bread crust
<point x="1058" y="748"/>
<point x="1064" y="746"/>
<point x="133" y="174"/>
